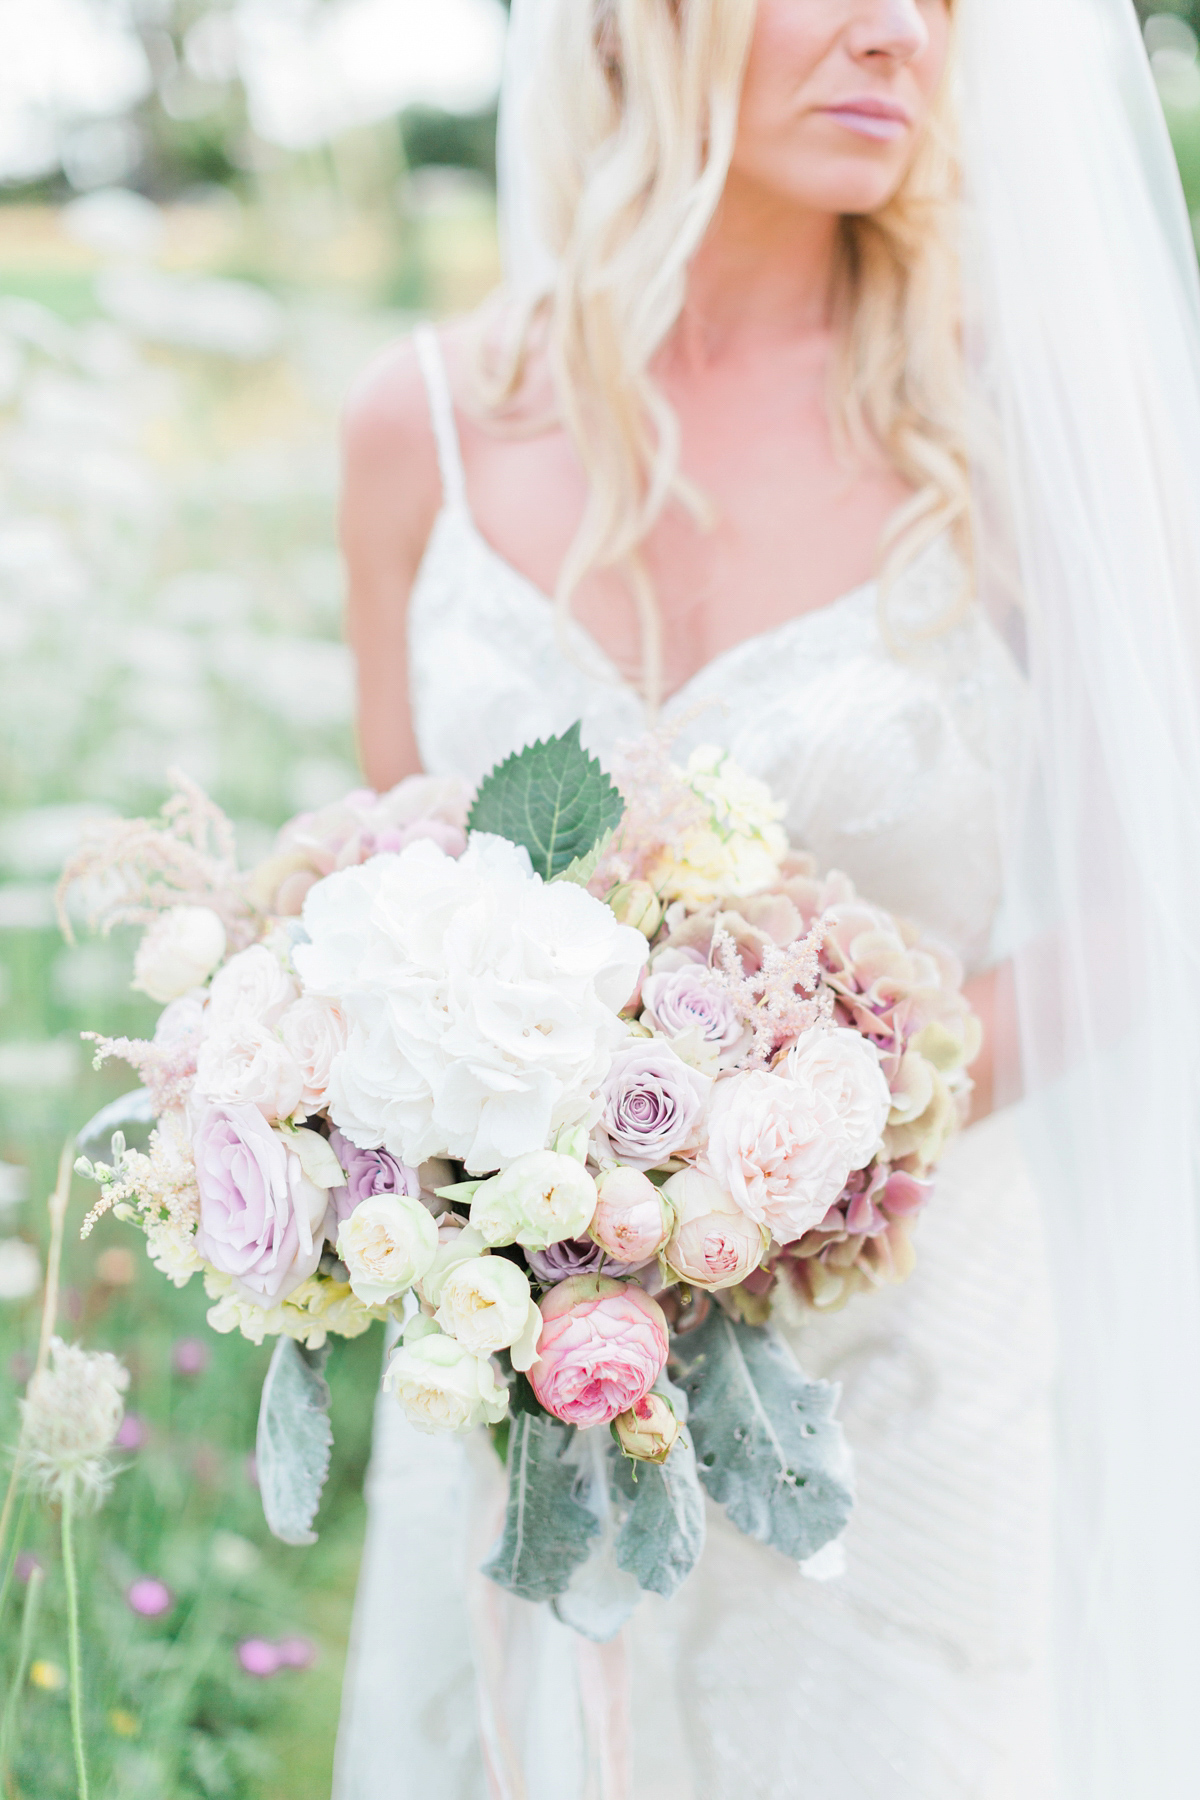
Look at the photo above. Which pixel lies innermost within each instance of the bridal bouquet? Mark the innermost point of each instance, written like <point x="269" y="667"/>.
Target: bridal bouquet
<point x="575" y="1082"/>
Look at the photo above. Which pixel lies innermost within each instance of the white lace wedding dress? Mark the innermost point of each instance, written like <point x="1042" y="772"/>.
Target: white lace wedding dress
<point x="919" y="1672"/>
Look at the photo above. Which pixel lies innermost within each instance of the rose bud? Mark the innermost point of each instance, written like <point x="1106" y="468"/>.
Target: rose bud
<point x="603" y="1346"/>
<point x="636" y="903"/>
<point x="632" y="1221"/>
<point x="714" y="1245"/>
<point x="648" y="1430"/>
<point x="539" y="1199"/>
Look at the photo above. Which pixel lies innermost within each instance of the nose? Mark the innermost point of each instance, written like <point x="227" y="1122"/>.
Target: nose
<point x="895" y="29"/>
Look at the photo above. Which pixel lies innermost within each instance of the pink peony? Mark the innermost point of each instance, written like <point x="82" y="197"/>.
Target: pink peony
<point x="602" y="1346"/>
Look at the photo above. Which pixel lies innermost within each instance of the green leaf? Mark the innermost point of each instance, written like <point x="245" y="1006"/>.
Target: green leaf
<point x="547" y="1530"/>
<point x="767" y="1445"/>
<point x="294" y="1440"/>
<point x="600" y="1595"/>
<point x="663" y="1534"/>
<point x="553" y="798"/>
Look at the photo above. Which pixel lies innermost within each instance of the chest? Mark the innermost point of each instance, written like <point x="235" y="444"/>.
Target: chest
<point x="789" y="524"/>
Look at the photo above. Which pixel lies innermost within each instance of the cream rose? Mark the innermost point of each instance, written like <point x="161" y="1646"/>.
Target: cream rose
<point x="179" y="951"/>
<point x="388" y="1242"/>
<point x="253" y="984"/>
<point x="714" y="1243"/>
<point x="442" y="1386"/>
<point x="314" y="1032"/>
<point x="843" y="1067"/>
<point x="242" y="1063"/>
<point x="487" y="1305"/>
<point x="777" y="1145"/>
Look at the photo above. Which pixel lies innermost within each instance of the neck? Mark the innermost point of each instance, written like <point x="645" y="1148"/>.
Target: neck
<point x="764" y="272"/>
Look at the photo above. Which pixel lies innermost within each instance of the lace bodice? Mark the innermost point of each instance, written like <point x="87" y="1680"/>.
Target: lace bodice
<point x="892" y="765"/>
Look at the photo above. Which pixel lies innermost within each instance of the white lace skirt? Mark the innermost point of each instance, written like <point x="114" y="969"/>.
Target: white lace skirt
<point x="919" y="1673"/>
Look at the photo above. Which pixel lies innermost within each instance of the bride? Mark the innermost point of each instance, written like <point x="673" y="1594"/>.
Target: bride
<point x="843" y="407"/>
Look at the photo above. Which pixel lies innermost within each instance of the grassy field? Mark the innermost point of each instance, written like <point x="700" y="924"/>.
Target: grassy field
<point x="170" y="595"/>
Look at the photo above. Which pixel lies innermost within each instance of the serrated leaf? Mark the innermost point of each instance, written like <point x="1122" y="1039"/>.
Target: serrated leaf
<point x="767" y="1445"/>
<point x="553" y="798"/>
<point x="133" y="1110"/>
<point x="663" y="1534"/>
<point x="547" y="1530"/>
<point x="601" y="1595"/>
<point x="584" y="867"/>
<point x="294" y="1440"/>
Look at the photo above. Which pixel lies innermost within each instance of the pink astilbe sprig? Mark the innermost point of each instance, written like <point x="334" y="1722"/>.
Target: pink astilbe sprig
<point x="778" y="1000"/>
<point x="133" y="869"/>
<point x="167" y="1069"/>
<point x="660" y="808"/>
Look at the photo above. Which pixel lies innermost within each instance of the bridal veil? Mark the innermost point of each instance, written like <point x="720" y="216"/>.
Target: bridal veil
<point x="1083" y="341"/>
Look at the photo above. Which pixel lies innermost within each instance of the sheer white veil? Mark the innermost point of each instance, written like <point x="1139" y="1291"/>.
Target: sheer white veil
<point x="1084" y="350"/>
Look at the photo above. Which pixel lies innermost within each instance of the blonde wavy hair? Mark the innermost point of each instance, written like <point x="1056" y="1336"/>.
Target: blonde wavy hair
<point x="634" y="122"/>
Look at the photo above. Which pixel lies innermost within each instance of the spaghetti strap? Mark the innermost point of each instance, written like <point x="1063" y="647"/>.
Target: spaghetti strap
<point x="441" y="416"/>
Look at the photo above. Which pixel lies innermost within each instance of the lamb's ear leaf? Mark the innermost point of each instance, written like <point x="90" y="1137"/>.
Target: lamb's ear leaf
<point x="552" y="798"/>
<point x="547" y="1529"/>
<point x="768" y="1447"/>
<point x="294" y="1440"/>
<point x="133" y="1114"/>
<point x="663" y="1534"/>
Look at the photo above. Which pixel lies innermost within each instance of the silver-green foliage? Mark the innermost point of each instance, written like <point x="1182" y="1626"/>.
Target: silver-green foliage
<point x="294" y="1440"/>
<point x="768" y="1447"/>
<point x="547" y="1528"/>
<point x="663" y="1534"/>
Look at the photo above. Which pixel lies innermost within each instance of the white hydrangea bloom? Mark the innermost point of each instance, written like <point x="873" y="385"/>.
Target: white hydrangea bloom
<point x="481" y="1003"/>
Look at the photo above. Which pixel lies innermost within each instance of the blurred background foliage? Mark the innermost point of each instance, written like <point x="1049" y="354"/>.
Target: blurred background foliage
<point x="211" y="216"/>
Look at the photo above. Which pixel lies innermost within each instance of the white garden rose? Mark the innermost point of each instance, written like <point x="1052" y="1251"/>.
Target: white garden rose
<point x="179" y="951"/>
<point x="487" y="1305"/>
<point x="253" y="984"/>
<point x="845" y="1067"/>
<point x="443" y="1386"/>
<point x="314" y="1032"/>
<point x="181" y="1021"/>
<point x="242" y="1063"/>
<point x="387" y="1243"/>
<point x="539" y="1200"/>
<point x="481" y="1003"/>
<point x="777" y="1145"/>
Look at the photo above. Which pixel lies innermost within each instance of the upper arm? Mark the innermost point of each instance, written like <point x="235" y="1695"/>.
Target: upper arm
<point x="391" y="491"/>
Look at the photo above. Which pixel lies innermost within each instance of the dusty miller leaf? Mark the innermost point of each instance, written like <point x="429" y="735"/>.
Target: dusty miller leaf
<point x="663" y="1534"/>
<point x="767" y="1445"/>
<point x="547" y="1530"/>
<point x="600" y="1595"/>
<point x="294" y="1440"/>
<point x="553" y="798"/>
<point x="133" y="1114"/>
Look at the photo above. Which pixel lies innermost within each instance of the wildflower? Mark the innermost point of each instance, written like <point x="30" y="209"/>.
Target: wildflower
<point x="258" y="1657"/>
<point x="47" y="1675"/>
<point x="190" y="1356"/>
<point x="20" y="1269"/>
<point x="70" y="1417"/>
<point x="149" y="1597"/>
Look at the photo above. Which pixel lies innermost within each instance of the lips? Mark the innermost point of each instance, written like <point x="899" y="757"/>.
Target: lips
<point x="868" y="116"/>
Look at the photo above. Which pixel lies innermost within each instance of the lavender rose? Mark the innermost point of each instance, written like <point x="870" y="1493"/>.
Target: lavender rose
<point x="576" y="1256"/>
<point x="368" y="1172"/>
<point x="653" y="1102"/>
<point x="690" y="999"/>
<point x="260" y="1216"/>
